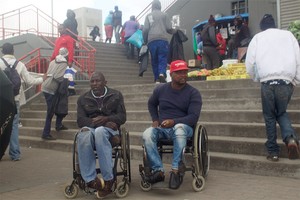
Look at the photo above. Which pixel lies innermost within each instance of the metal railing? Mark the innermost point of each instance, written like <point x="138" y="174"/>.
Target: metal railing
<point x="165" y="5"/>
<point x="15" y="23"/>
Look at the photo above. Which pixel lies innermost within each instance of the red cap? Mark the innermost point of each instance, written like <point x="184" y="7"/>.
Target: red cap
<point x="178" y="65"/>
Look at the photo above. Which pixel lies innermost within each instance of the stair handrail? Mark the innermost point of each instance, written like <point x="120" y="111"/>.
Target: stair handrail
<point x="86" y="63"/>
<point x="166" y="4"/>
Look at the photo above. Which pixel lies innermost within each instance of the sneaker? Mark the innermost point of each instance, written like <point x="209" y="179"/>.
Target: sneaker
<point x="162" y="78"/>
<point x="20" y="125"/>
<point x="61" y="128"/>
<point x="16" y="159"/>
<point x="96" y="184"/>
<point x="155" y="177"/>
<point x="273" y="158"/>
<point x="106" y="190"/>
<point x="293" y="149"/>
<point x="175" y="180"/>
<point x="48" y="137"/>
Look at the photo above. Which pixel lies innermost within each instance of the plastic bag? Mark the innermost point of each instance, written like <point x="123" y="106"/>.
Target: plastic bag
<point x="143" y="50"/>
<point x="136" y="39"/>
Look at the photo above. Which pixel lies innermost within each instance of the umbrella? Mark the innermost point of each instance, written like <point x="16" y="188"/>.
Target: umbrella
<point x="7" y="111"/>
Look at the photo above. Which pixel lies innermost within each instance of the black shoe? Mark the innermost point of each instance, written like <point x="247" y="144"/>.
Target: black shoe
<point x="175" y="180"/>
<point x="155" y="177"/>
<point x="162" y="79"/>
<point x="48" y="137"/>
<point x="61" y="128"/>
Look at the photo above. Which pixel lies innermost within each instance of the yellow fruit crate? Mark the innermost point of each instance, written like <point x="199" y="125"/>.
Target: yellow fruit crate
<point x="244" y="76"/>
<point x="210" y="78"/>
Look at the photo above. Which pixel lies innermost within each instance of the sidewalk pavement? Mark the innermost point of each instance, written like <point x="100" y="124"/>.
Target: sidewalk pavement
<point x="42" y="175"/>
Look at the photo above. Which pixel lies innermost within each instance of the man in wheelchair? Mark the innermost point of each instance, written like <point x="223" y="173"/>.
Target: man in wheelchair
<point x="175" y="109"/>
<point x="100" y="113"/>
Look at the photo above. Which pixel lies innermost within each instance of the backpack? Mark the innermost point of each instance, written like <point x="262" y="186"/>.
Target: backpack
<point x="13" y="76"/>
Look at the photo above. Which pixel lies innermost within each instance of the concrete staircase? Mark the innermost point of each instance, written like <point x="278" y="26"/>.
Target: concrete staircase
<point x="231" y="114"/>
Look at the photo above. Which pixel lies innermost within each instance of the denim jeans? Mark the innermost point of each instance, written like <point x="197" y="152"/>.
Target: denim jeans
<point x="129" y="49"/>
<point x="275" y="99"/>
<point x="117" y="33"/>
<point x="14" y="147"/>
<point x="179" y="134"/>
<point x="159" y="50"/>
<point x="47" y="128"/>
<point x="98" y="140"/>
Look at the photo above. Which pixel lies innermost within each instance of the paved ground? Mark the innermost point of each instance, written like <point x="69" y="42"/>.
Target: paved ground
<point x="42" y="174"/>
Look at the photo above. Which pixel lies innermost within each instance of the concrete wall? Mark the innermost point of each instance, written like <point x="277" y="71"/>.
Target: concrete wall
<point x="87" y="18"/>
<point x="23" y="44"/>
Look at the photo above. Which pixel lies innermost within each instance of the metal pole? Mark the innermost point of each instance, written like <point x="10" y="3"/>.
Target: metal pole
<point x="278" y="14"/>
<point x="52" y="17"/>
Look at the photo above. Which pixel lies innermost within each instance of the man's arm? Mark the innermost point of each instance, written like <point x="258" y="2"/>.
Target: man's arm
<point x="250" y="60"/>
<point x="82" y="118"/>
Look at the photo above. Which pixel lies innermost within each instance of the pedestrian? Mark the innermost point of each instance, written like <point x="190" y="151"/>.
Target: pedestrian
<point x="157" y="26"/>
<point x="174" y="108"/>
<point x="108" y="25"/>
<point x="8" y="56"/>
<point x="240" y="39"/>
<point x="95" y="33"/>
<point x="221" y="47"/>
<point x="50" y="89"/>
<point x="71" y="24"/>
<point x="117" y="23"/>
<point x="65" y="41"/>
<point x="7" y="110"/>
<point x="100" y="113"/>
<point x="273" y="59"/>
<point x="130" y="27"/>
<point x="210" y="56"/>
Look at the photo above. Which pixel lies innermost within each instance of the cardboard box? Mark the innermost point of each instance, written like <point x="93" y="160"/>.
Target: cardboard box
<point x="194" y="63"/>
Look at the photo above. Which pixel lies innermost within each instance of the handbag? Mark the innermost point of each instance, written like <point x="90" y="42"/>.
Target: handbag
<point x="136" y="39"/>
<point x="245" y="42"/>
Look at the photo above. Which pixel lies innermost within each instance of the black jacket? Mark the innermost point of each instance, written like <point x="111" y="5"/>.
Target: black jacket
<point x="176" y="51"/>
<point x="112" y="106"/>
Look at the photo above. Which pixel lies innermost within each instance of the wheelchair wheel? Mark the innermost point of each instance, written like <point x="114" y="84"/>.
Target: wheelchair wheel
<point x="205" y="158"/>
<point x="198" y="183"/>
<point x="145" y="186"/>
<point x="122" y="189"/>
<point x="71" y="191"/>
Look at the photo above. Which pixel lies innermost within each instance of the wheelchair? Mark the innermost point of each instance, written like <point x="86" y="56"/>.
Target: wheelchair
<point x="197" y="147"/>
<point x="121" y="156"/>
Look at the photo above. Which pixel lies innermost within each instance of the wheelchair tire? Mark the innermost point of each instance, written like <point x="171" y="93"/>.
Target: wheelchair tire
<point x="146" y="187"/>
<point x="204" y="153"/>
<point x="71" y="191"/>
<point x="198" y="183"/>
<point x="122" y="189"/>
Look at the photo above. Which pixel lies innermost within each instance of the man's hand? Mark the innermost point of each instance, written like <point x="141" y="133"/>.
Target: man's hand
<point x="111" y="125"/>
<point x="168" y="123"/>
<point x="155" y="124"/>
<point x="100" y="120"/>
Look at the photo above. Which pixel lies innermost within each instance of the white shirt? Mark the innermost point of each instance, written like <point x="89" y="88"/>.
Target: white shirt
<point x="24" y="74"/>
<point x="274" y="54"/>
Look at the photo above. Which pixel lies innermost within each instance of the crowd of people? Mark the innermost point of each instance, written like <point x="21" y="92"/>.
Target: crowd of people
<point x="213" y="48"/>
<point x="174" y="107"/>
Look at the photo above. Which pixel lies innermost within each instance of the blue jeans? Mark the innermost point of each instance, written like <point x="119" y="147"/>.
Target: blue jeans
<point x="50" y="112"/>
<point x="275" y="99"/>
<point x="14" y="147"/>
<point x="98" y="140"/>
<point x="179" y="134"/>
<point x="159" y="50"/>
<point x="117" y="33"/>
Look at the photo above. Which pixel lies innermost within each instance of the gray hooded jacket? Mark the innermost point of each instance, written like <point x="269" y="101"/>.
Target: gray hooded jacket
<point x="157" y="24"/>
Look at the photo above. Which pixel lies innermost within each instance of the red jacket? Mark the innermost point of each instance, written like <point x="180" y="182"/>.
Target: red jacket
<point x="64" y="41"/>
<point x="222" y="44"/>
